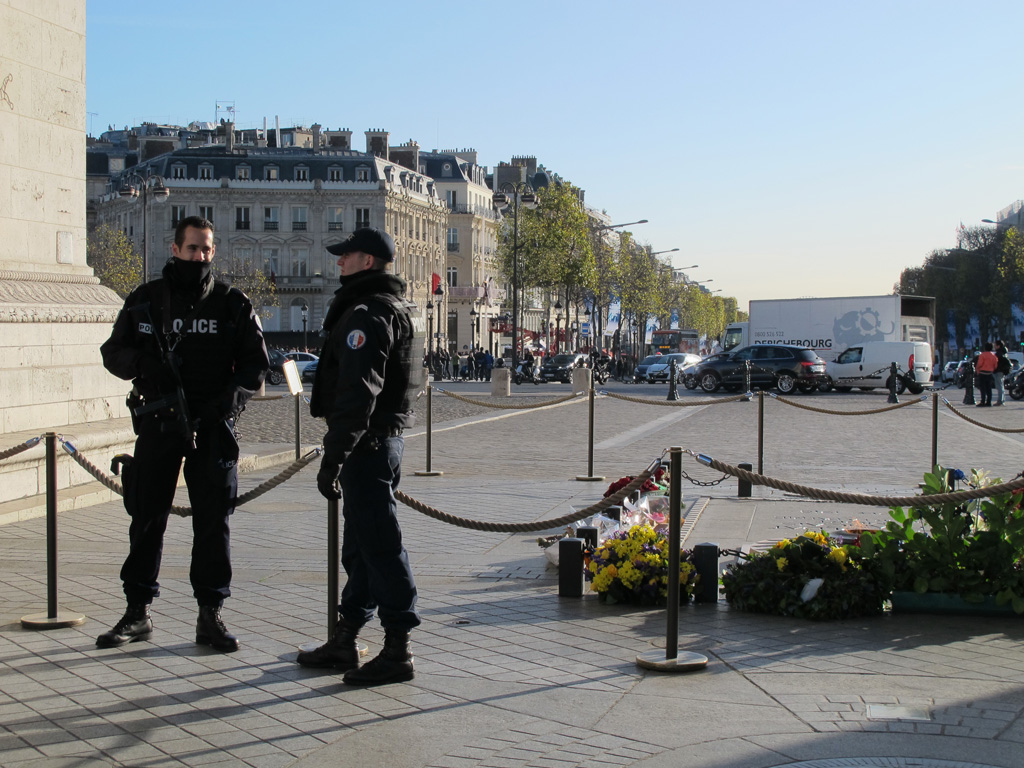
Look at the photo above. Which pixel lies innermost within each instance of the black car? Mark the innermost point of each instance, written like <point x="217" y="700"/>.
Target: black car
<point x="309" y="372"/>
<point x="560" y="367"/>
<point x="276" y="373"/>
<point x="771" y="365"/>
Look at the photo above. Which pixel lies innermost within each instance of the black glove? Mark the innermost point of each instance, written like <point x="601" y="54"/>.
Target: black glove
<point x="327" y="479"/>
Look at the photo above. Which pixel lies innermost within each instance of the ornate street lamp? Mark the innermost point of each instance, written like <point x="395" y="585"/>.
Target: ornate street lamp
<point x="430" y="332"/>
<point x="439" y="293"/>
<point x="522" y="193"/>
<point x="474" y="325"/>
<point x="558" y="322"/>
<point x="134" y="185"/>
<point x="305" y="319"/>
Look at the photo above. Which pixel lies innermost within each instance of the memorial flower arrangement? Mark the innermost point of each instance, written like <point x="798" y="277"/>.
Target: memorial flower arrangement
<point x="631" y="566"/>
<point x="974" y="550"/>
<point x="810" y="576"/>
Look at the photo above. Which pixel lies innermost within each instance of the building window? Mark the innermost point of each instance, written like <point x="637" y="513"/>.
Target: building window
<point x="452" y="197"/>
<point x="206" y="172"/>
<point x="271" y="218"/>
<point x="242" y="218"/>
<point x="270" y="173"/>
<point x="335" y="218"/>
<point x="177" y="214"/>
<point x="362" y="174"/>
<point x="300" y="262"/>
<point x="453" y="277"/>
<point x="299" y="220"/>
<point x="453" y="239"/>
<point x="362" y="217"/>
<point x="242" y="173"/>
<point x="302" y="174"/>
<point x="446" y="169"/>
<point x="206" y="212"/>
<point x="334" y="174"/>
<point x="178" y="172"/>
<point x="271" y="268"/>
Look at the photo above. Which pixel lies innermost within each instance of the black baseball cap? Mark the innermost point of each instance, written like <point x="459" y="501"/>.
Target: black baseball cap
<point x="375" y="242"/>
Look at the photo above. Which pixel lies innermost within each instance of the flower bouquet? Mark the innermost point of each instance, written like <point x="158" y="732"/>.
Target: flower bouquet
<point x="631" y="566"/>
<point x="810" y="576"/>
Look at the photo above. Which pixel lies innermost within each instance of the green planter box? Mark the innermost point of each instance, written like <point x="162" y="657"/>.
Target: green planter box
<point x="946" y="603"/>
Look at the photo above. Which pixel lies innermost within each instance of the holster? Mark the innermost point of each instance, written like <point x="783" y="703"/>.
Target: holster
<point x="134" y="401"/>
<point x="124" y="464"/>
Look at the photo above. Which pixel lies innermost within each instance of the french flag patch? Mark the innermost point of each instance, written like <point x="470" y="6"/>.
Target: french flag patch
<point x="356" y="340"/>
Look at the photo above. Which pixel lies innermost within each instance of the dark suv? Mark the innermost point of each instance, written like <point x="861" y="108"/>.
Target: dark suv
<point x="785" y="367"/>
<point x="560" y="367"/>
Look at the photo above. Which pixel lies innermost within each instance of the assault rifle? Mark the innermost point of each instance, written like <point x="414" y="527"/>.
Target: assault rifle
<point x="175" y="402"/>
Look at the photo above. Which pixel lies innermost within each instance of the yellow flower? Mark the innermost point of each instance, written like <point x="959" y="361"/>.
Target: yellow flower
<point x="838" y="555"/>
<point x="781" y="563"/>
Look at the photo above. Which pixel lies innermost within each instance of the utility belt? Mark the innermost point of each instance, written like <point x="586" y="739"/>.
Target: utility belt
<point x="168" y="411"/>
<point x="374" y="436"/>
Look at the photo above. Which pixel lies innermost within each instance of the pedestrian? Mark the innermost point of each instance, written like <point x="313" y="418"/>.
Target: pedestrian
<point x="183" y="335"/>
<point x="1002" y="368"/>
<point x="984" y="367"/>
<point x="365" y="388"/>
<point x="488" y="364"/>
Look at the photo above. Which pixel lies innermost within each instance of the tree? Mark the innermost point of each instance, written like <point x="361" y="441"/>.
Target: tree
<point x="114" y="259"/>
<point x="253" y="282"/>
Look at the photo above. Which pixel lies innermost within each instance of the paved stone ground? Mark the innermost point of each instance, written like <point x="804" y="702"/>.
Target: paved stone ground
<point x="508" y="673"/>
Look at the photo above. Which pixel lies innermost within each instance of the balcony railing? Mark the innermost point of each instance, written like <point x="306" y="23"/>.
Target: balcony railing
<point x="298" y="226"/>
<point x="241" y="225"/>
<point x="270" y="226"/>
<point x="466" y="292"/>
<point x="453" y="247"/>
<point x="335" y="226"/>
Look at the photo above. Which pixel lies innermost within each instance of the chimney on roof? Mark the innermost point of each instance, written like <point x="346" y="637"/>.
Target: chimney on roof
<point x="229" y="136"/>
<point x="316" y="138"/>
<point x="377" y="144"/>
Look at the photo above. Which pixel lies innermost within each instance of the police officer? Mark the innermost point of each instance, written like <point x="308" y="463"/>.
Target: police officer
<point x="183" y="336"/>
<point x="363" y="387"/>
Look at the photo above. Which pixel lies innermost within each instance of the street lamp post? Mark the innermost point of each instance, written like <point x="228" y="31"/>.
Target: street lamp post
<point x="558" y="322"/>
<point x="430" y="336"/>
<point x="474" y="324"/>
<point x="305" y="319"/>
<point x="522" y="193"/>
<point x="439" y="298"/>
<point x="146" y="186"/>
<point x="603" y="227"/>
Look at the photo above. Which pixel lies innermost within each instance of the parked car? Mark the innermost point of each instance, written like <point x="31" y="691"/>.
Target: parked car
<point x="659" y="370"/>
<point x="867" y="366"/>
<point x="309" y="372"/>
<point x="689" y="374"/>
<point x="949" y="371"/>
<point x="560" y="367"/>
<point x="276" y="373"/>
<point x="302" y="359"/>
<point x="640" y="372"/>
<point x="780" y="365"/>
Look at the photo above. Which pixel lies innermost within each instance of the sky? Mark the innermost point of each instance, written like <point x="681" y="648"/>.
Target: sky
<point x="789" y="149"/>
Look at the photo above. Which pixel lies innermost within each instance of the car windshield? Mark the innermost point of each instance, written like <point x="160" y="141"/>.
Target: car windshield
<point x="276" y="358"/>
<point x="651" y="359"/>
<point x="563" y="359"/>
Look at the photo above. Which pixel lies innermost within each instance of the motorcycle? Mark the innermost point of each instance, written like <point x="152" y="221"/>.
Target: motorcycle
<point x="1013" y="384"/>
<point x="601" y="372"/>
<point x="524" y="372"/>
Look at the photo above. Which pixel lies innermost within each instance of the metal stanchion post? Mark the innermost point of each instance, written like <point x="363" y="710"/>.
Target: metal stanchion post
<point x="671" y="660"/>
<point x="760" y="432"/>
<point x="935" y="430"/>
<point x="428" y="472"/>
<point x="673" y="392"/>
<point x="969" y="384"/>
<point x="298" y="429"/>
<point x="746" y="381"/>
<point x="705" y="560"/>
<point x="892" y="383"/>
<point x="570" y="567"/>
<point x="590" y="476"/>
<point x="52" y="619"/>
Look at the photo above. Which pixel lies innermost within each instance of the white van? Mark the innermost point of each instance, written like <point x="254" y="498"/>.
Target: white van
<point x="868" y="365"/>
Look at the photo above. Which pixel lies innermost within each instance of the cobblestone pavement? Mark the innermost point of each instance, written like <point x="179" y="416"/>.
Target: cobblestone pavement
<point x="508" y="672"/>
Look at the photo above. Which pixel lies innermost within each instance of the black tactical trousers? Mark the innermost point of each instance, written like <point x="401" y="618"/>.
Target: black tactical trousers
<point x="212" y="481"/>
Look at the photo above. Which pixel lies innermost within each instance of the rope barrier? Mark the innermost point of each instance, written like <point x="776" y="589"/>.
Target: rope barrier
<point x="676" y="403"/>
<point x="32" y="441"/>
<point x="832" y="412"/>
<point x="929" y="500"/>
<point x="486" y="404"/>
<point x="542" y="525"/>
<point x="246" y="497"/>
<point x="989" y="427"/>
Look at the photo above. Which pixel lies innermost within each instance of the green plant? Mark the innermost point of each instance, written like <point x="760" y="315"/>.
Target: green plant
<point x="810" y="576"/>
<point x="973" y="550"/>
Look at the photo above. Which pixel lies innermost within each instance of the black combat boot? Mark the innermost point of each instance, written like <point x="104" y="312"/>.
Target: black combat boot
<point x="392" y="665"/>
<point x="210" y="630"/>
<point x="340" y="652"/>
<point x="136" y="624"/>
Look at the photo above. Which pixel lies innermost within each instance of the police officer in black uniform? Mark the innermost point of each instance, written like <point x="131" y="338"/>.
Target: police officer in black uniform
<point x="183" y="336"/>
<point x="363" y="387"/>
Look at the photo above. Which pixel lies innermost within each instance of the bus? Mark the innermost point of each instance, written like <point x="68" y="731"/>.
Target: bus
<point x="665" y="340"/>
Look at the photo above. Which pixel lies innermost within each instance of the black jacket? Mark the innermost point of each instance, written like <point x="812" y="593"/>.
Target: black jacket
<point x="221" y="354"/>
<point x="366" y="377"/>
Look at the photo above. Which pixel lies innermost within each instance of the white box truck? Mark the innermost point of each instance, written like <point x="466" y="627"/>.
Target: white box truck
<point x="830" y="325"/>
